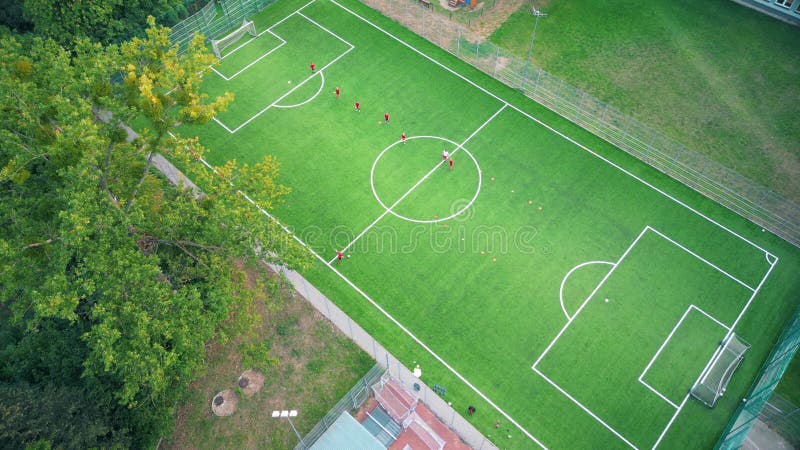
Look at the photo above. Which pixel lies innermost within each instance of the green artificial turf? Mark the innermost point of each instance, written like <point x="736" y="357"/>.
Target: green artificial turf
<point x="482" y="289"/>
<point x="717" y="76"/>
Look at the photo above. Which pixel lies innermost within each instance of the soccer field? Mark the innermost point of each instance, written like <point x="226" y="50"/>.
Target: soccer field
<point x="558" y="285"/>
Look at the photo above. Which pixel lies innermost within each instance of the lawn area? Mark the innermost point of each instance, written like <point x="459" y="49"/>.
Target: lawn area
<point x="716" y="76"/>
<point x="547" y="278"/>
<point x="310" y="366"/>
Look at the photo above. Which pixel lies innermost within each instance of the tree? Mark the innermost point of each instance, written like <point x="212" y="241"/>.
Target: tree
<point x="92" y="237"/>
<point x="108" y="21"/>
<point x="11" y="15"/>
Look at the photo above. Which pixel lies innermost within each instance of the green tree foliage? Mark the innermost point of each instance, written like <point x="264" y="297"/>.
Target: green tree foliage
<point x="113" y="280"/>
<point x="11" y="15"/>
<point x="102" y="21"/>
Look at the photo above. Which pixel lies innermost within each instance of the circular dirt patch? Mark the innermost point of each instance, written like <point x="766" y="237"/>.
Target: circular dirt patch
<point x="224" y="403"/>
<point x="251" y="382"/>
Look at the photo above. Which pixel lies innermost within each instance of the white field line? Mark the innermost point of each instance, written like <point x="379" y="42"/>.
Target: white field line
<point x="564" y="281"/>
<point x="658" y="393"/>
<point x="256" y="115"/>
<point x="599" y="285"/>
<point x="587" y="410"/>
<point x="252" y="63"/>
<point x="406" y="331"/>
<point x="268" y="30"/>
<point x="297" y="86"/>
<point x="562" y="135"/>
<point x="741" y="314"/>
<point x="700" y="310"/>
<point x="325" y="29"/>
<point x="702" y="259"/>
<point x="425" y="177"/>
<point x="222" y="124"/>
<point x="321" y="86"/>
<point x="389" y="316"/>
<point x="755" y="292"/>
<point x="658" y="352"/>
<point x="666" y="341"/>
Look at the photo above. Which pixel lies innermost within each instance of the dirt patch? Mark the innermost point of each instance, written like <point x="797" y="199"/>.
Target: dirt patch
<point x="250" y="382"/>
<point x="224" y="403"/>
<point x="446" y="5"/>
<point x="492" y="17"/>
<point x="313" y="366"/>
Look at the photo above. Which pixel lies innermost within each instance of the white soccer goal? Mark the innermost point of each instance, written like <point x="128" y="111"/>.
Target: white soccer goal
<point x="715" y="379"/>
<point x="218" y="45"/>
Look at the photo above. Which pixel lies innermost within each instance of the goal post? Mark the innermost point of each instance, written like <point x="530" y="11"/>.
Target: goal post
<point x="712" y="383"/>
<point x="218" y="45"/>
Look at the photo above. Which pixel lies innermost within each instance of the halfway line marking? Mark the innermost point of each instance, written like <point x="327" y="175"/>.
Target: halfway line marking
<point x="425" y="177"/>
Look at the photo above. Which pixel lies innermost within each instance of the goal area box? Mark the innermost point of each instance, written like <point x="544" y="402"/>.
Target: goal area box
<point x="713" y="381"/>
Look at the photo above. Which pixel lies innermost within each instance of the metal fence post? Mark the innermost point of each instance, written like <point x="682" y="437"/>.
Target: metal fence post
<point x="458" y="43"/>
<point x="496" y="57"/>
<point x="422" y="9"/>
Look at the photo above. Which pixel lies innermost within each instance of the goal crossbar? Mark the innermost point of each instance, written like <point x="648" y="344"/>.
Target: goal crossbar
<point x="714" y="380"/>
<point x="218" y="45"/>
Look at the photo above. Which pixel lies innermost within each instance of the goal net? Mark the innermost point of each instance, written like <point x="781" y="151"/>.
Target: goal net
<point x="218" y="45"/>
<point x="715" y="379"/>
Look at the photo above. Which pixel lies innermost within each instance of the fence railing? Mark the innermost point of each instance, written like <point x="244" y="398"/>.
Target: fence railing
<point x="783" y="417"/>
<point x="215" y="19"/>
<point x="393" y="366"/>
<point x="752" y="201"/>
<point x="761" y="391"/>
<point x="350" y="401"/>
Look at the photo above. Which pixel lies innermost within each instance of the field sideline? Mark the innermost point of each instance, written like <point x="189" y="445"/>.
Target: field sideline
<point x="548" y="279"/>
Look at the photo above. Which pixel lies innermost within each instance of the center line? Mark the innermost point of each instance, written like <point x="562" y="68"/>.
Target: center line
<point x="425" y="177"/>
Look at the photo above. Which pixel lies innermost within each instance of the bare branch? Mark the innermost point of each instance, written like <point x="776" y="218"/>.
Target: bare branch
<point x="39" y="244"/>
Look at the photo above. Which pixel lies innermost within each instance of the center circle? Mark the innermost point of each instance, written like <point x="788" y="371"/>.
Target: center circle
<point x="435" y="160"/>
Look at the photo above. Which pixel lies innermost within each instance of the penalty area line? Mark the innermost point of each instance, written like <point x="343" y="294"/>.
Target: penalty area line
<point x="585" y="409"/>
<point x="727" y="336"/>
<point x="389" y="316"/>
<point x="597" y="288"/>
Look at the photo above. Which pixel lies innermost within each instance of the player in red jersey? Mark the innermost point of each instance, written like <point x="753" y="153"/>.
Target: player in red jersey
<point x="337" y="92"/>
<point x="451" y="163"/>
<point x="338" y="256"/>
<point x="386" y="118"/>
<point x="312" y="66"/>
<point x="403" y="138"/>
<point x="358" y="106"/>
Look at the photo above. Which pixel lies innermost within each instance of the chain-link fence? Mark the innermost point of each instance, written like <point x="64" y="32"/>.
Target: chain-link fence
<point x="762" y="389"/>
<point x="393" y="366"/>
<point x="783" y="417"/>
<point x="349" y="402"/>
<point x="717" y="182"/>
<point x="215" y="19"/>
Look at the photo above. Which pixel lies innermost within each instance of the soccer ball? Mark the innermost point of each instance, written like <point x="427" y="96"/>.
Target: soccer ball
<point x="348" y="256"/>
